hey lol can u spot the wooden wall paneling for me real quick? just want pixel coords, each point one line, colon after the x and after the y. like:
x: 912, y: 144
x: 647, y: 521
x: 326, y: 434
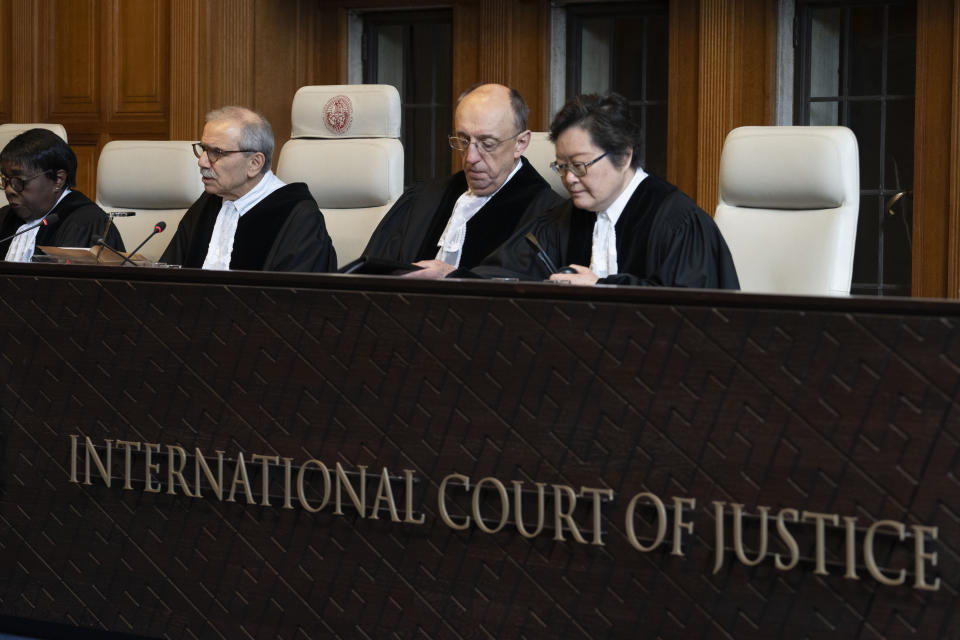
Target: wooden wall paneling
x: 6, y: 62
x: 278, y: 67
x: 330, y: 59
x: 953, y: 251
x: 187, y: 42
x: 467, y: 39
x: 683, y: 93
x: 25, y: 38
x: 936, y: 106
x: 529, y: 58
x: 496, y: 31
x: 230, y: 50
x: 754, y: 67
x: 715, y: 96
x: 136, y: 68
x: 71, y: 67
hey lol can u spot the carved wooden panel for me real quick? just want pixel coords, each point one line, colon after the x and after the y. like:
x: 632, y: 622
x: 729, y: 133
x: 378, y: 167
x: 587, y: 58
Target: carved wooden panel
x: 72, y: 65
x: 135, y: 53
x: 6, y: 62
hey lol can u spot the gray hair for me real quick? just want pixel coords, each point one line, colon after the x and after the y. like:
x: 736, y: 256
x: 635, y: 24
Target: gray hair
x: 256, y: 134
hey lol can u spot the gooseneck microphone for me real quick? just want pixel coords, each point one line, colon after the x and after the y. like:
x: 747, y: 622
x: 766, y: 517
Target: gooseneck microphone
x: 157, y: 228
x: 98, y: 241
x: 540, y: 253
x: 45, y: 221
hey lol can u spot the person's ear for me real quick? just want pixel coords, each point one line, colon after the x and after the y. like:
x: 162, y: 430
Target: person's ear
x: 523, y: 141
x: 255, y: 166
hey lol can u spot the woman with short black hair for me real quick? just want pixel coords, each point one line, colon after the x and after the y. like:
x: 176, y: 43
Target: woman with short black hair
x: 621, y: 225
x: 37, y: 172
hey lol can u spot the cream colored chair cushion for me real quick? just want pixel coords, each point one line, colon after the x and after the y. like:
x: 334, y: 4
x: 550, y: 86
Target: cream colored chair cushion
x: 540, y: 152
x: 345, y: 148
x: 157, y: 179
x: 788, y: 207
x: 10, y: 130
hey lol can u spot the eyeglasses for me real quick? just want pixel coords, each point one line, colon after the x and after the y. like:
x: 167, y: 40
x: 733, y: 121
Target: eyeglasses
x: 215, y: 153
x: 484, y: 145
x: 17, y: 182
x: 578, y: 169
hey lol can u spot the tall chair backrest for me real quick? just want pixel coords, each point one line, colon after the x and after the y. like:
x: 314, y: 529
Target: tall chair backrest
x: 10, y: 130
x: 540, y: 153
x: 156, y: 179
x: 788, y: 206
x: 345, y: 146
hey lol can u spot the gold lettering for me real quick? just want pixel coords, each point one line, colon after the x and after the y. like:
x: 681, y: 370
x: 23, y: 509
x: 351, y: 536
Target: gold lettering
x: 73, y: 459
x: 265, y: 477
x: 442, y: 502
x: 287, y: 497
x: 559, y: 515
x: 595, y: 512
x: 240, y: 477
x: 127, y: 461
x: 718, y: 509
x: 518, y: 508
x: 199, y: 462
x: 920, y: 554
x: 302, y: 495
x: 504, y: 505
x: 788, y: 540
x: 150, y: 468
x: 661, y: 522
x: 738, y: 535
x: 358, y: 501
x: 821, y: 553
x: 679, y: 524
x: 173, y: 471
x: 409, y: 518
x: 384, y: 492
x: 870, y: 560
x: 91, y: 452
x: 850, y: 547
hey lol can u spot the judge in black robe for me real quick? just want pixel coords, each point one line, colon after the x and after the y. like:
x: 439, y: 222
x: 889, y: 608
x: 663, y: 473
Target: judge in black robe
x: 409, y: 232
x: 663, y: 239
x: 80, y: 223
x: 38, y: 170
x: 491, y: 136
x: 628, y: 226
x: 283, y: 232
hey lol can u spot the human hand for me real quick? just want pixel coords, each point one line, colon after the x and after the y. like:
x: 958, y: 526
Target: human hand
x: 431, y: 270
x: 583, y: 276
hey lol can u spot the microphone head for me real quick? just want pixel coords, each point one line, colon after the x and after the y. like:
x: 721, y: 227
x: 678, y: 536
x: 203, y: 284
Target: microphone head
x: 50, y: 219
x: 160, y: 226
x: 97, y: 239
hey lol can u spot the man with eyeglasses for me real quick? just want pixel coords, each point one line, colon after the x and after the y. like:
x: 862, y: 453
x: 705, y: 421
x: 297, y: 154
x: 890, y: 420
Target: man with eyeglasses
x: 455, y: 222
x: 621, y: 225
x: 248, y: 218
x: 38, y: 173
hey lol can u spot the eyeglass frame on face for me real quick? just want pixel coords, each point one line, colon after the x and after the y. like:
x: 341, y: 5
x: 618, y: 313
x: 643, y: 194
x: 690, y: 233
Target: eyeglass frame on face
x: 485, y: 145
x: 214, y: 154
x: 562, y: 168
x: 19, y: 180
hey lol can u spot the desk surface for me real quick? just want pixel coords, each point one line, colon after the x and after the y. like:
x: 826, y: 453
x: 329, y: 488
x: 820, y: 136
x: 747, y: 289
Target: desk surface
x: 439, y: 409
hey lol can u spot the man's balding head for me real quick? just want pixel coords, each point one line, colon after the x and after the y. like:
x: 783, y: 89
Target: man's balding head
x: 492, y: 119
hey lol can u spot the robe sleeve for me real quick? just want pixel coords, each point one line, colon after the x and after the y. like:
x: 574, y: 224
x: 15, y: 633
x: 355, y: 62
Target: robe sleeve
x: 177, y: 251
x: 517, y: 259
x: 83, y: 226
x: 303, y: 243
x: 390, y: 239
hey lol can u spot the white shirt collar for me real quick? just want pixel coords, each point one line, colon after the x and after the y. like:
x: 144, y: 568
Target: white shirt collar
x: 267, y: 185
x: 616, y: 208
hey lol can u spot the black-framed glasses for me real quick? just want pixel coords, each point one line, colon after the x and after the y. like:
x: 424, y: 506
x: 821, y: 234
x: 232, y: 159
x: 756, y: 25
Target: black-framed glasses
x: 18, y: 183
x: 215, y: 153
x: 484, y: 145
x: 578, y: 169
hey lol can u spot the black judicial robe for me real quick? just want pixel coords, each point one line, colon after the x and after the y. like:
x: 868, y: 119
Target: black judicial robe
x: 80, y: 222
x: 411, y: 229
x: 284, y: 232
x: 663, y: 239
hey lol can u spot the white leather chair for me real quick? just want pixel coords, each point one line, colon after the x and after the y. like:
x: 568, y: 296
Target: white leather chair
x: 10, y: 130
x: 789, y: 200
x: 157, y: 179
x: 540, y: 152
x: 345, y: 146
